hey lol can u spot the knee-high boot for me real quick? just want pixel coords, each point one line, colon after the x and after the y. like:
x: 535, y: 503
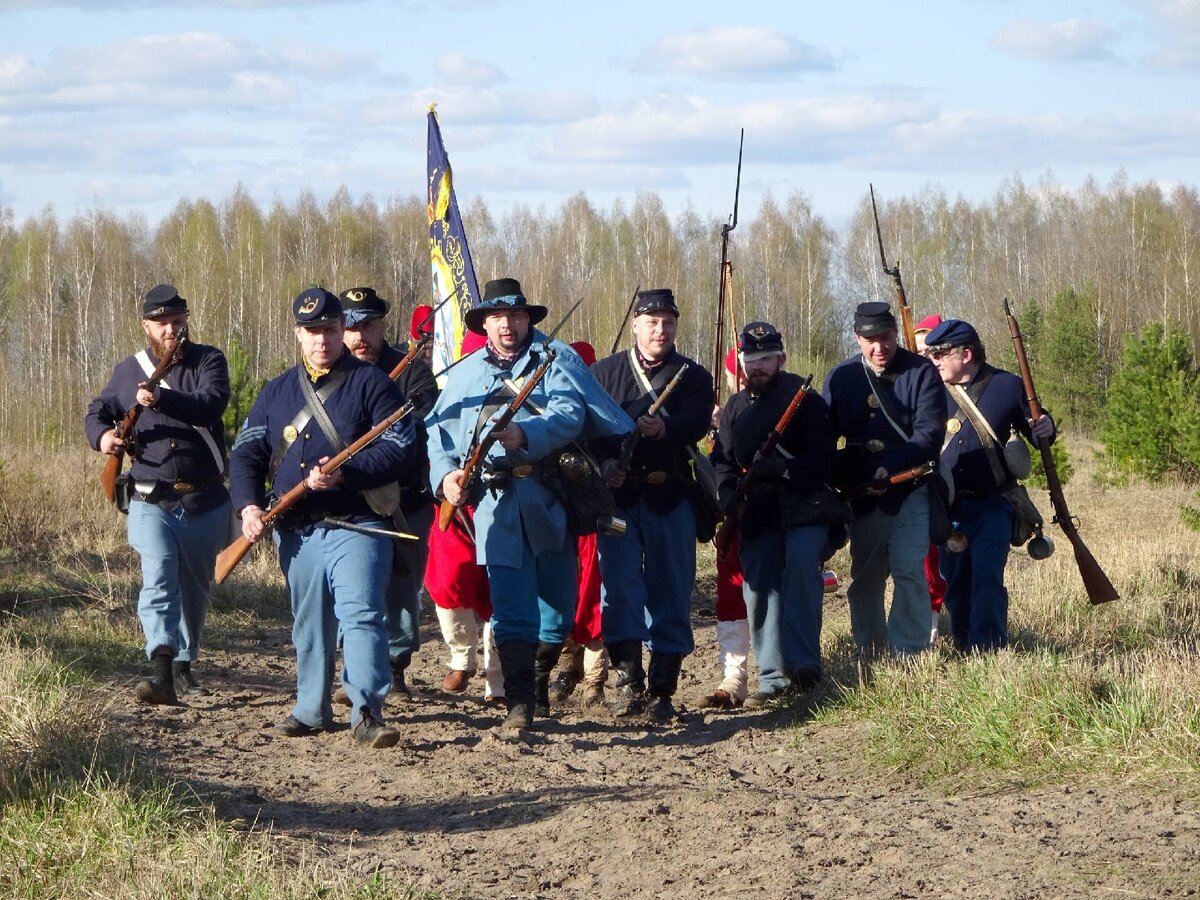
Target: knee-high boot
x: 626, y: 658
x: 664, y: 679
x: 517, y: 662
x: 543, y: 664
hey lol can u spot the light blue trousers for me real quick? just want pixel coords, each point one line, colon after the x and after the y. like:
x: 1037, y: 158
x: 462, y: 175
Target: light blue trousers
x: 784, y: 592
x: 895, y: 545
x: 647, y: 578
x: 178, y: 553
x: 337, y: 577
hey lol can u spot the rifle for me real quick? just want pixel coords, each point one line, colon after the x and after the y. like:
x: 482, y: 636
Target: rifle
x: 631, y: 440
x: 1099, y: 588
x: 470, y: 471
x: 906, y: 321
x: 621, y: 328
x: 726, y: 284
x: 421, y: 343
x: 228, y: 558
x: 723, y: 539
x: 112, y: 466
x: 877, y: 484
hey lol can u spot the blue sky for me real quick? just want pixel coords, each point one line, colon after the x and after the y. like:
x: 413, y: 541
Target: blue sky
x: 132, y: 105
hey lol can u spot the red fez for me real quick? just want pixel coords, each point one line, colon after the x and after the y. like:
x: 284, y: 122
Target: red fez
x: 928, y: 323
x: 585, y: 350
x: 419, y: 315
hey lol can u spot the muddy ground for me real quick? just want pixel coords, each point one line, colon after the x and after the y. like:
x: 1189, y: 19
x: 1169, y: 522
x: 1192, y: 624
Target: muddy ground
x: 746, y: 804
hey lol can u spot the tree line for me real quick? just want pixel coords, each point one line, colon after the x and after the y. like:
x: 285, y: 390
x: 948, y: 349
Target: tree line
x: 1086, y: 270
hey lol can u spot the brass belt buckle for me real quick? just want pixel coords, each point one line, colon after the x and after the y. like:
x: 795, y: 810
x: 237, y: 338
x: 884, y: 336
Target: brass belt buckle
x: 522, y: 471
x: 183, y: 487
x: 656, y: 477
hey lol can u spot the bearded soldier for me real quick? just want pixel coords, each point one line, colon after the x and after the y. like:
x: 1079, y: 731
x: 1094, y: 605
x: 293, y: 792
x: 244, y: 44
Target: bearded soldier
x: 179, y: 507
x: 364, y: 312
x: 782, y: 537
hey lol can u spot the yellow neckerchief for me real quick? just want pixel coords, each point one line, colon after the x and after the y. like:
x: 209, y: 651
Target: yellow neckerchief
x: 313, y: 372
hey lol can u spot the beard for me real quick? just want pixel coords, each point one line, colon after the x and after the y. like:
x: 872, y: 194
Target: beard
x: 163, y: 349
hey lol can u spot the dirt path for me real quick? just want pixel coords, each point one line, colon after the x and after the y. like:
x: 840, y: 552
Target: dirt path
x: 719, y: 805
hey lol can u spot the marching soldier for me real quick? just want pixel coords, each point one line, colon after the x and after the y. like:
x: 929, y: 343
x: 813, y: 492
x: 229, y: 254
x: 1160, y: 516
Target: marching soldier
x: 783, y: 536
x: 364, y: 312
x: 987, y: 412
x: 520, y: 524
x: 887, y: 403
x: 648, y: 573
x: 179, y: 507
x: 333, y: 557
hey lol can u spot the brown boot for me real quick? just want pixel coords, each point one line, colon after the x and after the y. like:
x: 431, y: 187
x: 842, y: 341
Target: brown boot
x: 456, y: 681
x: 159, y: 689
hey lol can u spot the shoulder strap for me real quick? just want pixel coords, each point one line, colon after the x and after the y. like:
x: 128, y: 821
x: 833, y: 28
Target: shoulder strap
x: 143, y: 359
x: 884, y: 399
x: 987, y: 436
x: 303, y: 415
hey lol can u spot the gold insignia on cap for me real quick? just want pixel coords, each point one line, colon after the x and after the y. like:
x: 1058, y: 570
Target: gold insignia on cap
x: 309, y: 305
x: 758, y: 333
x: 953, y: 425
x: 290, y: 433
x: 356, y: 296
x: 873, y: 401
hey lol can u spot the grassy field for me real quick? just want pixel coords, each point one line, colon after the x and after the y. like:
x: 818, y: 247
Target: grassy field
x: 1098, y: 693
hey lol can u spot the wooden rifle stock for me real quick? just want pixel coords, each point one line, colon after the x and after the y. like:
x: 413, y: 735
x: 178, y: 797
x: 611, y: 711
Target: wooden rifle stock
x: 112, y: 465
x: 228, y: 558
x: 892, y: 480
x: 906, y: 319
x: 471, y: 470
x: 1098, y: 586
x: 631, y: 440
x: 723, y: 539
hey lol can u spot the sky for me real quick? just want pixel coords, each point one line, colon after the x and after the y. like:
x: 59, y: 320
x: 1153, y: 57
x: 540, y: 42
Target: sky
x: 131, y: 106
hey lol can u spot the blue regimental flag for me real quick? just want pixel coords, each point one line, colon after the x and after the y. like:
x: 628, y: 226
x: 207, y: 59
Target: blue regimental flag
x: 450, y: 257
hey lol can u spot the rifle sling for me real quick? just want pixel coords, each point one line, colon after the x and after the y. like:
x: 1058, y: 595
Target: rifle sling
x: 300, y: 421
x: 143, y: 359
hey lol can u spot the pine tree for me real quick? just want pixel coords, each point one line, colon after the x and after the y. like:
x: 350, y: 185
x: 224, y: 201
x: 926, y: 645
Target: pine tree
x: 1070, y: 376
x: 1152, y: 424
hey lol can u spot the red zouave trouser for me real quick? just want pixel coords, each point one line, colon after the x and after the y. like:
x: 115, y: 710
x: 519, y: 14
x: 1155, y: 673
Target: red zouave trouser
x: 453, y: 578
x: 587, y: 611
x: 731, y: 605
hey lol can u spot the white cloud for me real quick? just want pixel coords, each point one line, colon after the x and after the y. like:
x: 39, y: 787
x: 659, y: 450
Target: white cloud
x: 475, y: 108
x: 733, y: 53
x: 1178, y: 23
x: 1071, y: 40
x: 458, y: 70
x: 189, y: 70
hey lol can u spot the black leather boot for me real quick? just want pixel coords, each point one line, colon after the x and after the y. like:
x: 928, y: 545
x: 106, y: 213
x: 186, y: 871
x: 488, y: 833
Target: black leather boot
x: 159, y: 689
x: 626, y: 659
x: 516, y: 663
x: 544, y: 663
x: 664, y: 679
x: 398, y: 665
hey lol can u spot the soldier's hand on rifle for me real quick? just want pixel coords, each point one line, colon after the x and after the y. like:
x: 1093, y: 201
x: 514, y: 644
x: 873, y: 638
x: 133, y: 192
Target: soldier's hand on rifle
x: 772, y: 466
x: 252, y: 522
x: 612, y: 474
x: 1043, y: 428
x: 652, y: 426
x: 452, y: 489
x: 881, y: 475
x: 110, y: 443
x: 319, y: 481
x: 511, y: 438
x: 146, y: 397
